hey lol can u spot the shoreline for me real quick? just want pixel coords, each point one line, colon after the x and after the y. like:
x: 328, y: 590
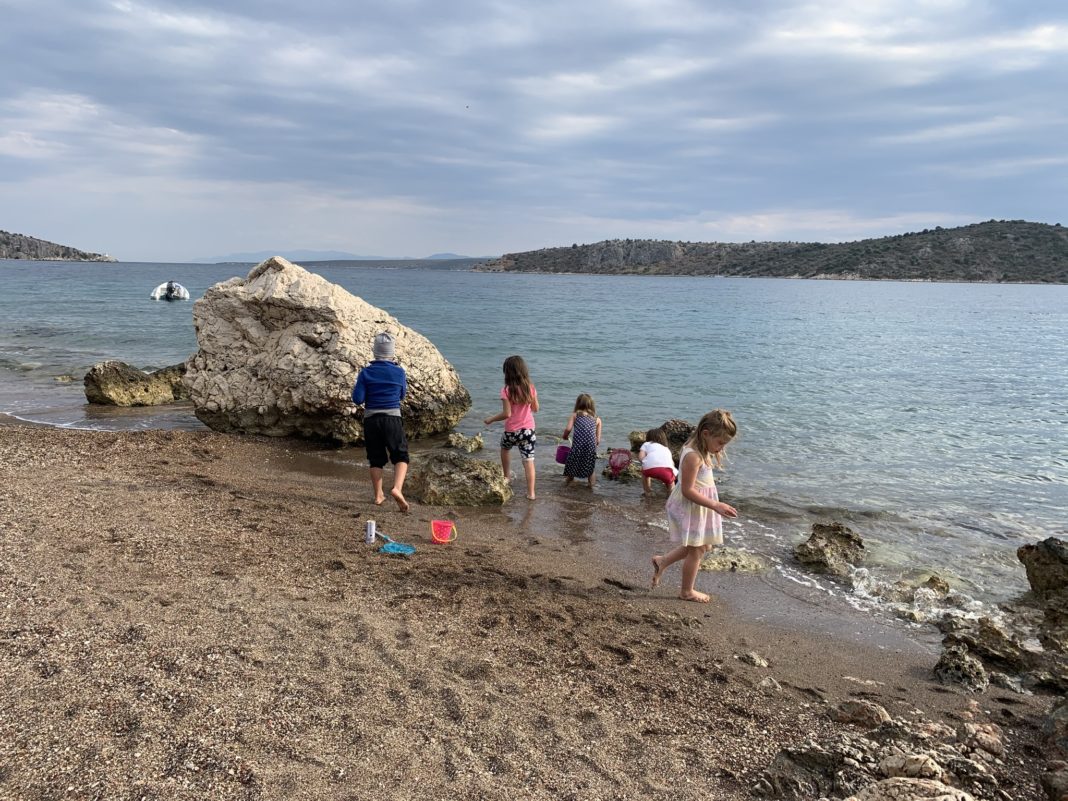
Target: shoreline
x: 192, y: 614
x: 820, y: 277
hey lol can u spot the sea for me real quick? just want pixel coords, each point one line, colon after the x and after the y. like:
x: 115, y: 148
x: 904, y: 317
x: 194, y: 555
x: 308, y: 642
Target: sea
x: 931, y: 418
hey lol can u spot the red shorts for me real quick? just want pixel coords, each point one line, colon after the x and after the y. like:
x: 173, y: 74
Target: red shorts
x: 665, y: 474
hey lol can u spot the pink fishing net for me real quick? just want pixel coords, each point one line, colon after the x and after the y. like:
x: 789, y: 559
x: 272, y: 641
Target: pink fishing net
x: 618, y: 461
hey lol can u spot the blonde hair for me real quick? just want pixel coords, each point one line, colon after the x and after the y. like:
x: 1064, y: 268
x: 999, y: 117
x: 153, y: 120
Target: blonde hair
x: 517, y: 380
x: 718, y: 423
x: 584, y: 403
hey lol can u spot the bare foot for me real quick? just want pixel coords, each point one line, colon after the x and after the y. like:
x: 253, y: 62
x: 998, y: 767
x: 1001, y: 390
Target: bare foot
x: 398, y: 496
x: 381, y: 499
x: 657, y: 570
x: 531, y: 498
x: 694, y: 595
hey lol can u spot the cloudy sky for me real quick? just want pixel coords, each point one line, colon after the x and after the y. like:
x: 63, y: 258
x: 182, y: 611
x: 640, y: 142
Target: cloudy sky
x: 157, y: 130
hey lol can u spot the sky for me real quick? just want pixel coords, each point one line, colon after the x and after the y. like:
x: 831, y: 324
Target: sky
x: 167, y: 131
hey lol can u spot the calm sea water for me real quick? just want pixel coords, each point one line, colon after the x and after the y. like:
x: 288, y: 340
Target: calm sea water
x: 932, y: 418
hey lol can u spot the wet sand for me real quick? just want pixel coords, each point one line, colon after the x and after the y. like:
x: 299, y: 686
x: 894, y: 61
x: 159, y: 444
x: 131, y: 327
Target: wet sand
x: 193, y: 615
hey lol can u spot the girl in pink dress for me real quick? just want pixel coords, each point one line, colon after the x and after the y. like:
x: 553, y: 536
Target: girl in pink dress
x: 695, y: 512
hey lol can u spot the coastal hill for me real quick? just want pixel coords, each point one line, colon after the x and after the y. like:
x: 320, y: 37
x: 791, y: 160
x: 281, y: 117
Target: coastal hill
x: 18, y: 246
x: 995, y: 251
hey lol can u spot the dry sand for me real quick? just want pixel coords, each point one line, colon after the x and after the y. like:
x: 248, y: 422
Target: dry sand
x: 186, y: 616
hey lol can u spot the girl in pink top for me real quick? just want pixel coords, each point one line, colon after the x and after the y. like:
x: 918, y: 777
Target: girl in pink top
x: 519, y: 401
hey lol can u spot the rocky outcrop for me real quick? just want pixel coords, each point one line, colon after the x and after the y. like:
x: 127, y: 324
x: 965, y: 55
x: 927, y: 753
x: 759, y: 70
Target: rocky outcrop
x: 1055, y: 782
x: 1046, y: 563
x: 831, y: 549
x: 446, y: 478
x: 958, y: 667
x: 676, y: 431
x: 893, y: 759
x: 118, y: 384
x: 280, y: 350
x: 20, y: 246
x: 905, y: 789
x: 862, y: 713
x: 989, y: 641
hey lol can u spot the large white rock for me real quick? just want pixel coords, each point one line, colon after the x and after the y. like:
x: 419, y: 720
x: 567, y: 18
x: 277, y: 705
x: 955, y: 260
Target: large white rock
x: 280, y: 350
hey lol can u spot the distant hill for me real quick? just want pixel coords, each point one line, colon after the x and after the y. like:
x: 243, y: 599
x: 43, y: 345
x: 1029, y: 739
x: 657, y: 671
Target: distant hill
x: 297, y: 255
x: 995, y: 251
x: 300, y: 255
x: 18, y: 246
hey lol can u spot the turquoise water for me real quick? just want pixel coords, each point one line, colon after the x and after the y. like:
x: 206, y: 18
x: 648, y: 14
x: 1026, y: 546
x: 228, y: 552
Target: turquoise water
x: 932, y: 418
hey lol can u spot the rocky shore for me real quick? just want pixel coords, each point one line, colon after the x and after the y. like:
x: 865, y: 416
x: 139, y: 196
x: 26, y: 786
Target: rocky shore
x: 195, y: 615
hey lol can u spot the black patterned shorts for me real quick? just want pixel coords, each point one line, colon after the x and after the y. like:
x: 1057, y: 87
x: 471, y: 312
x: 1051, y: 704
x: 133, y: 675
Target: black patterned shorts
x: 524, y: 439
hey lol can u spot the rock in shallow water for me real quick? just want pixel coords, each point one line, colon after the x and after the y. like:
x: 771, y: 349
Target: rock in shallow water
x: 118, y: 384
x: 446, y: 478
x: 831, y: 549
x: 280, y: 350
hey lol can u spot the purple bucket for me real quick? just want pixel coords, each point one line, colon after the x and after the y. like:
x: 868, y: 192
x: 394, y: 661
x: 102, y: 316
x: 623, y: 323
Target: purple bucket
x: 561, y: 453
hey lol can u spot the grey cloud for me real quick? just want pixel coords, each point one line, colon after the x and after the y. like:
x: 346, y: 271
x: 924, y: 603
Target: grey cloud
x: 621, y: 111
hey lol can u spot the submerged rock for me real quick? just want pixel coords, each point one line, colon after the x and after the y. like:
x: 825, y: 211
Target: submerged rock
x: 445, y: 478
x: 465, y: 444
x: 831, y: 549
x: 734, y: 560
x: 280, y: 350
x: 118, y: 384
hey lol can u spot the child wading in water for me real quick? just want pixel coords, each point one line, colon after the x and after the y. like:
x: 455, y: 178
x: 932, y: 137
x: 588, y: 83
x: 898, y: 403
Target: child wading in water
x: 695, y: 513
x: 519, y: 401
x: 381, y: 386
x: 584, y: 428
x: 657, y: 461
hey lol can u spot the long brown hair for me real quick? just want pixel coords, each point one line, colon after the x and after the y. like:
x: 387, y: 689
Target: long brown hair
x: 718, y: 423
x: 517, y: 380
x: 584, y: 405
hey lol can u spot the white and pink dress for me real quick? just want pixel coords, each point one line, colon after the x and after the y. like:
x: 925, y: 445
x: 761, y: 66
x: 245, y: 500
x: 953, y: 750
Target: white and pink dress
x: 688, y: 522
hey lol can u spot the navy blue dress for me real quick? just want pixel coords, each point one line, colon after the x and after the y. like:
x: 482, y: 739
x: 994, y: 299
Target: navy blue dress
x: 583, y: 457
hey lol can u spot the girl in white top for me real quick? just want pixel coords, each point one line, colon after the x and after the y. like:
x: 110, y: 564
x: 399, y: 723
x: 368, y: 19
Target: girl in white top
x: 695, y: 513
x: 657, y: 461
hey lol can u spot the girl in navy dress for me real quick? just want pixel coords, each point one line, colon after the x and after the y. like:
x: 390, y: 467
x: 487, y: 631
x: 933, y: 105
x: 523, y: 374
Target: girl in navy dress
x: 584, y: 428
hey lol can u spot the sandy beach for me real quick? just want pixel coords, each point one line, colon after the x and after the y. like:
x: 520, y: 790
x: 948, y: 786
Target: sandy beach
x: 193, y: 615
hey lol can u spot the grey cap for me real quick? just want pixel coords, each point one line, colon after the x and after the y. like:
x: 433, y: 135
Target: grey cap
x: 384, y: 349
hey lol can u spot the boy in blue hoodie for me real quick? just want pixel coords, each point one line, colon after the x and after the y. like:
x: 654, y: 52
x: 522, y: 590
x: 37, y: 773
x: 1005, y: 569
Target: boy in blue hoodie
x: 380, y: 387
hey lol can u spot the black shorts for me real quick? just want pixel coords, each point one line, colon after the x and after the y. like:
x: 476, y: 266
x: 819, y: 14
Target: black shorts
x: 384, y: 434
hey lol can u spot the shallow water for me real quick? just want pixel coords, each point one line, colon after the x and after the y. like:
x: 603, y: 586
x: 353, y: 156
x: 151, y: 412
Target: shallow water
x: 931, y: 418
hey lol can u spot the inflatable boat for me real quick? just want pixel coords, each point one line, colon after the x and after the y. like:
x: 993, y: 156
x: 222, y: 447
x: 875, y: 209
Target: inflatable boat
x: 170, y: 291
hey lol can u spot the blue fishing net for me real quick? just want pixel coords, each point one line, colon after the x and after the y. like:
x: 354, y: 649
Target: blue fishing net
x: 397, y: 548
